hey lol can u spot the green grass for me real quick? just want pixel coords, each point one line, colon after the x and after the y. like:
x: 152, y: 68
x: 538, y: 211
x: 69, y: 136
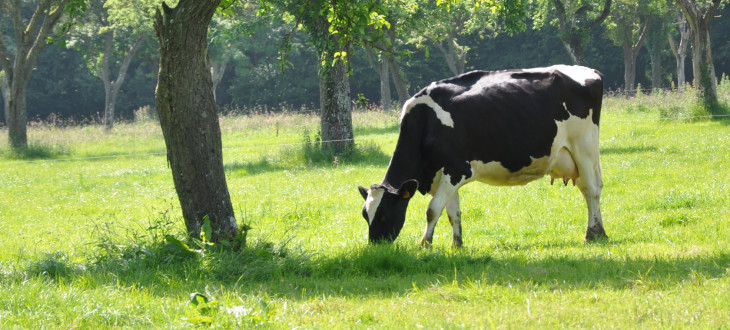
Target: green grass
x: 82, y: 234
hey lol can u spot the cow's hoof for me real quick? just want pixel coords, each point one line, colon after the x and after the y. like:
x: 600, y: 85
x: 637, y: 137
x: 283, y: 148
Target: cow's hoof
x: 426, y: 244
x: 594, y: 234
x: 457, y: 243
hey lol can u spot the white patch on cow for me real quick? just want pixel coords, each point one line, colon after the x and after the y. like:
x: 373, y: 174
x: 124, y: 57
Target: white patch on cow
x: 441, y: 114
x: 375, y: 196
x: 578, y: 73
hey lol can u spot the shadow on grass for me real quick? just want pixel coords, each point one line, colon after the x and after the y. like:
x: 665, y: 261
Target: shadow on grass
x: 36, y: 151
x: 627, y: 150
x: 382, y: 269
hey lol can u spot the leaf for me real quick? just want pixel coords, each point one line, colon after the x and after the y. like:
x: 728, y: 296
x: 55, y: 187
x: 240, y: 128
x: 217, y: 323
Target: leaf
x: 178, y: 244
x: 206, y: 232
x: 197, y: 297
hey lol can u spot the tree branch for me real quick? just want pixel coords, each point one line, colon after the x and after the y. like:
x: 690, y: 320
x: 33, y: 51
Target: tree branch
x: 604, y: 14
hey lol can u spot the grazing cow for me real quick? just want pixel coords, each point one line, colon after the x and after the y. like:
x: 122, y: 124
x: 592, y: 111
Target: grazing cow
x: 501, y: 128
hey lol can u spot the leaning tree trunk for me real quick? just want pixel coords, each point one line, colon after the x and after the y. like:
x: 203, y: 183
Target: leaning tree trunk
x: 629, y: 70
x: 400, y: 85
x: 336, y: 107
x: 5, y: 87
x: 189, y: 119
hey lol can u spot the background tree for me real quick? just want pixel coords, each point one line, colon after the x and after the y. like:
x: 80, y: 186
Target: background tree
x: 699, y: 18
x: 189, y: 117
x: 656, y: 40
x: 679, y: 48
x: 30, y: 37
x: 628, y: 26
x: 112, y: 33
x: 575, y: 20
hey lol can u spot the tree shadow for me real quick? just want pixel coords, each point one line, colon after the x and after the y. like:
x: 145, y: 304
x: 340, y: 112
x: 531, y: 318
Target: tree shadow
x: 381, y: 270
x: 262, y: 165
x: 374, y: 130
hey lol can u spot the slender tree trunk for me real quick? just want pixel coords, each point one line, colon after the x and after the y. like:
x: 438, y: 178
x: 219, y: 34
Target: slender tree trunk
x: 380, y: 65
x: 454, y: 54
x: 113, y: 87
x: 400, y: 85
x: 5, y: 94
x: 631, y: 52
x: 629, y: 70
x: 680, y: 49
x: 336, y: 107
x: 218, y: 70
x: 189, y: 119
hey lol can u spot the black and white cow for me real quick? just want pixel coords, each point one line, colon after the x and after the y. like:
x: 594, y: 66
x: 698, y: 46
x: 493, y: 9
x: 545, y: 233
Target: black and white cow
x: 501, y: 128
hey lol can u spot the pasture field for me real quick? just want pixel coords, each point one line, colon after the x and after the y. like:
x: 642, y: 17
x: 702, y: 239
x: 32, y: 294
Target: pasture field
x: 84, y: 214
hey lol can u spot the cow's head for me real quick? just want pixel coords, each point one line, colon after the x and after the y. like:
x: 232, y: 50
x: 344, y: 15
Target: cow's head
x: 385, y: 209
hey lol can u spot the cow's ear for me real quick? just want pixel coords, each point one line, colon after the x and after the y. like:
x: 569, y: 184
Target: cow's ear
x: 363, y: 192
x: 408, y: 189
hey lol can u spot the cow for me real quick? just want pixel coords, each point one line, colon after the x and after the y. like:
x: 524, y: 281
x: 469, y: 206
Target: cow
x: 501, y: 128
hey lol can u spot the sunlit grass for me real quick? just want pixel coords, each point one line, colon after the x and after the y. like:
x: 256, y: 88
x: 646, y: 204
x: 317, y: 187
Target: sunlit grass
x: 83, y: 234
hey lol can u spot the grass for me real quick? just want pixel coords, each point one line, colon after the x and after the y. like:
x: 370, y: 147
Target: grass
x: 83, y: 228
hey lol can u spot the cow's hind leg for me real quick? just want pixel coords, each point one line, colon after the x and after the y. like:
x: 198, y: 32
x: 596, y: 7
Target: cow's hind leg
x: 590, y: 184
x: 454, y: 213
x: 440, y: 198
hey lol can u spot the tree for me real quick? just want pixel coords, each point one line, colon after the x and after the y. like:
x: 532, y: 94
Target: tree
x: 113, y: 30
x: 656, y: 41
x: 17, y: 61
x: 628, y: 27
x: 575, y: 21
x: 679, y: 48
x: 189, y: 118
x: 334, y: 27
x: 699, y: 17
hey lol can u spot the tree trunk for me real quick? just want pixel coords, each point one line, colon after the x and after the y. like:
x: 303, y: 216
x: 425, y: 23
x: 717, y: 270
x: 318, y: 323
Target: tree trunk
x: 17, y: 112
x: 218, y: 70
x: 680, y: 49
x: 703, y: 69
x: 629, y: 70
x: 5, y: 88
x: 189, y: 119
x: 380, y: 65
x: 113, y: 87
x: 336, y: 106
x: 631, y: 52
x: 400, y: 85
x: 454, y: 54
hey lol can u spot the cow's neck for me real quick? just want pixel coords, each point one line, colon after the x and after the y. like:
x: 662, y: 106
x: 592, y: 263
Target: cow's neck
x: 407, y: 161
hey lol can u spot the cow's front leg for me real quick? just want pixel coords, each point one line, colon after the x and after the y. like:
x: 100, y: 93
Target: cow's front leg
x: 443, y: 194
x: 454, y: 213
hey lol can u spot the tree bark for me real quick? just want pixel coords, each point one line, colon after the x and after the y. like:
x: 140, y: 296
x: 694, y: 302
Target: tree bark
x: 680, y: 49
x: 336, y: 107
x: 30, y: 39
x: 218, y: 70
x: 5, y: 88
x: 189, y: 119
x: 702, y: 66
